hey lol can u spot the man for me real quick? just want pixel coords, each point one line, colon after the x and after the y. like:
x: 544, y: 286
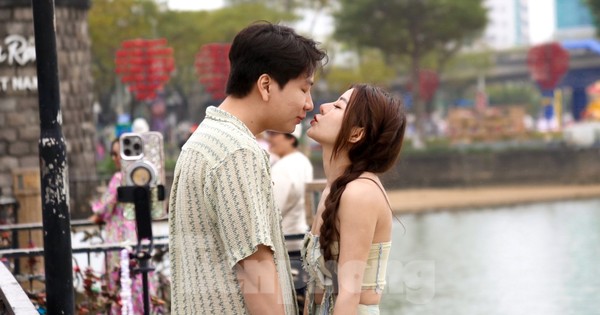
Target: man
x: 290, y: 174
x: 226, y: 246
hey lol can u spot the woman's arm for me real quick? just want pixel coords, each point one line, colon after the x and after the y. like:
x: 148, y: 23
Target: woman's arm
x: 103, y: 206
x: 357, y: 221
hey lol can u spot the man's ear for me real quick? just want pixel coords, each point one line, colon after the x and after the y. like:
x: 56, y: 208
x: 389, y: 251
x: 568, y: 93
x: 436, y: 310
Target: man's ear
x: 357, y: 134
x: 264, y: 86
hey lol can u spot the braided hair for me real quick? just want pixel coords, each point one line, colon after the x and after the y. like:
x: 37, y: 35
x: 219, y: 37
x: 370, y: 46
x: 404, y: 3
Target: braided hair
x: 383, y: 121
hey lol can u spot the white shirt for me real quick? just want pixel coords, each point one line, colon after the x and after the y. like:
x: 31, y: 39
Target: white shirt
x: 290, y: 175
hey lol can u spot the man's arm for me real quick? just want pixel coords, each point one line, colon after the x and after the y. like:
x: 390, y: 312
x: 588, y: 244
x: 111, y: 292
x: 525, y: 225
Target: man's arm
x: 259, y: 282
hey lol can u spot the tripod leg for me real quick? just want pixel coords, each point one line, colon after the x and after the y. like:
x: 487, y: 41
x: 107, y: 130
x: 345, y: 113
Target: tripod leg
x: 144, y: 268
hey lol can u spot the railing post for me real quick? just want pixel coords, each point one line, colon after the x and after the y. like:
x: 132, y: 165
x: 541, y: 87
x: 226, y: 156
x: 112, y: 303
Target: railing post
x: 53, y: 166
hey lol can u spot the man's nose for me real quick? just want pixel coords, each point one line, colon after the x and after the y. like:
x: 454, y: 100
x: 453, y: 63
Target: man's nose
x: 309, y: 104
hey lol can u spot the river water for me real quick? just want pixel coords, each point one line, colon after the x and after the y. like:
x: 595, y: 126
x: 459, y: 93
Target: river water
x: 530, y: 259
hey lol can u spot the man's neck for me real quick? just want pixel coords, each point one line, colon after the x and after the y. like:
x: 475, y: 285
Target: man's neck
x: 247, y: 110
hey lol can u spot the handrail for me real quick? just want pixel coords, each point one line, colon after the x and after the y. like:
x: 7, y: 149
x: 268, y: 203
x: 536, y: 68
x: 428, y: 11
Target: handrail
x: 161, y: 242
x: 38, y: 225
x: 15, y: 300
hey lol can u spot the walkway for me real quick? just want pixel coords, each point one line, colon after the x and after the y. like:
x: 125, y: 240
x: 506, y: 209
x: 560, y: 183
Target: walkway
x: 433, y: 199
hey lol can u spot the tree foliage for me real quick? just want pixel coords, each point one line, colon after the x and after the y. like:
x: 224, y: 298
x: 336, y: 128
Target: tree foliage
x: 370, y: 67
x: 594, y: 6
x: 113, y: 21
x: 110, y: 23
x: 411, y: 29
x: 187, y: 31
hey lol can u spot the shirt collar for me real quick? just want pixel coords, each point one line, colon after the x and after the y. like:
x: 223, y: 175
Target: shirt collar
x: 218, y: 114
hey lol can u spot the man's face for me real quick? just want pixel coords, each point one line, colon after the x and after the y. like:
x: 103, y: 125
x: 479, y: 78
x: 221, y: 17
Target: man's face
x: 289, y: 105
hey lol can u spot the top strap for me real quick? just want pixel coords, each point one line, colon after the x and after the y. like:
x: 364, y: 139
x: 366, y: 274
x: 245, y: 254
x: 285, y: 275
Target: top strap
x: 380, y: 188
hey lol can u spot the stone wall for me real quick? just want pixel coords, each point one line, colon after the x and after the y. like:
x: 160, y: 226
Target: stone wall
x: 19, y: 109
x: 516, y: 167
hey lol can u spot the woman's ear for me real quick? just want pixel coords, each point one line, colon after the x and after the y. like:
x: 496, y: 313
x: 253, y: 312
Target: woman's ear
x: 357, y: 134
x: 264, y: 86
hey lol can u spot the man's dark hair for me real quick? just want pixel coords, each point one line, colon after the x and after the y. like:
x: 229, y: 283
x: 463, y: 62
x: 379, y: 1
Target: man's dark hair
x: 276, y: 50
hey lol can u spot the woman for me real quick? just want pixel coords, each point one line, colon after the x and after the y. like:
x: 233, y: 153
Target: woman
x: 107, y: 209
x: 347, y: 249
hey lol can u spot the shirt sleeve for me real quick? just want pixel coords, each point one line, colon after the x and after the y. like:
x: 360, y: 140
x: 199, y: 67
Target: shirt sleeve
x: 242, y: 194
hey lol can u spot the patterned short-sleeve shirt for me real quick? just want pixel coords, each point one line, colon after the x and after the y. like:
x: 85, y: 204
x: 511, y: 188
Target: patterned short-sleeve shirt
x: 221, y: 208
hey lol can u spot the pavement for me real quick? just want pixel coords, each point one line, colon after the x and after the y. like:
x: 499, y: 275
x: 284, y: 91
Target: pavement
x: 434, y: 199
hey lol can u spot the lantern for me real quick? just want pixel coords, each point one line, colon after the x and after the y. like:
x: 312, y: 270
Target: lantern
x: 145, y: 65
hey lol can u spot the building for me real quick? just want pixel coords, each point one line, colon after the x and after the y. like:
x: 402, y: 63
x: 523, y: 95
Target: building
x: 573, y: 20
x: 508, y: 24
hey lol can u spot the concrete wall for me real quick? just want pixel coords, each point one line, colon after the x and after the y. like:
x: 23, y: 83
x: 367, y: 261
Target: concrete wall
x: 454, y: 169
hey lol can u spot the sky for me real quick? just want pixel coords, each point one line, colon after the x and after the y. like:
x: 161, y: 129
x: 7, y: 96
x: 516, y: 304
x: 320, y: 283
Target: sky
x: 195, y: 5
x: 541, y: 20
x: 541, y: 17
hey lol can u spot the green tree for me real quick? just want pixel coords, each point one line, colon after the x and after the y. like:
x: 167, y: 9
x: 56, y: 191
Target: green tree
x: 594, y: 6
x: 411, y: 29
x: 188, y: 31
x: 110, y: 23
x: 370, y: 67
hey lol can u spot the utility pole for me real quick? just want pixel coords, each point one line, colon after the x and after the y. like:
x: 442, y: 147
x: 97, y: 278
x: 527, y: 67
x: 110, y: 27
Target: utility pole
x: 53, y: 166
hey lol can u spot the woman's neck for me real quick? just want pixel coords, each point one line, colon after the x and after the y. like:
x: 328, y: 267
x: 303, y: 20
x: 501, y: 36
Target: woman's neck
x: 334, y: 168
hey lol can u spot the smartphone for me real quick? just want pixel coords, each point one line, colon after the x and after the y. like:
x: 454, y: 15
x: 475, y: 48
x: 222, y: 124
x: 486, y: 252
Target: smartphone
x: 142, y: 164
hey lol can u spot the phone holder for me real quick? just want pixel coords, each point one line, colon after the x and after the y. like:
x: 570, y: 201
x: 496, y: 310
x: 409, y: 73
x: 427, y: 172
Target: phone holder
x: 141, y: 197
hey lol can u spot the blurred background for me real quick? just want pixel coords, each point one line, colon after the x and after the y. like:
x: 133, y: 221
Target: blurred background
x: 500, y: 93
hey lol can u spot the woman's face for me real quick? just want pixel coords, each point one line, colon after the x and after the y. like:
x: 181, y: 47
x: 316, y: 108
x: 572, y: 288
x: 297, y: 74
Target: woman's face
x: 325, y: 127
x: 114, y: 154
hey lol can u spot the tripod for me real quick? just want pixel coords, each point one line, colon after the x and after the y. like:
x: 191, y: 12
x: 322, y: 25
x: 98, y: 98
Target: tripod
x: 141, y: 197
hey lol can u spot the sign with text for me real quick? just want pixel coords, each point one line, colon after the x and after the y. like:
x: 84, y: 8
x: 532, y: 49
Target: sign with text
x: 17, y: 51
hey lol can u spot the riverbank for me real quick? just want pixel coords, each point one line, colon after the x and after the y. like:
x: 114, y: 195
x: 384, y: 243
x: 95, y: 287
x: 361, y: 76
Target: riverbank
x: 434, y: 199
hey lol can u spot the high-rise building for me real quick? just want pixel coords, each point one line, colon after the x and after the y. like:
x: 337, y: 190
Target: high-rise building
x: 508, y: 24
x: 573, y: 20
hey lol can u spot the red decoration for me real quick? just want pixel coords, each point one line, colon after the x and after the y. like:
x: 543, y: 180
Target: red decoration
x: 212, y: 65
x: 145, y: 65
x: 428, y: 84
x: 547, y: 64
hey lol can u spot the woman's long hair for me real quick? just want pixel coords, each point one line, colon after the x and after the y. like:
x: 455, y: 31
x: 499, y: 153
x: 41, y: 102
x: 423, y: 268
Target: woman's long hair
x: 383, y: 119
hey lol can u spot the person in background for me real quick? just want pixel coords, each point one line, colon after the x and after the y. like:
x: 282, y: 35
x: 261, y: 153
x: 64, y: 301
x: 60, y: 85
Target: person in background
x: 290, y: 174
x: 226, y: 247
x: 347, y: 249
x: 109, y: 211
x: 140, y: 125
x: 263, y: 142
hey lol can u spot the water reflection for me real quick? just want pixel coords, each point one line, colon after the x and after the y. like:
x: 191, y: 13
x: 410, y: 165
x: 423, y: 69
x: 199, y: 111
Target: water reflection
x: 533, y: 259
